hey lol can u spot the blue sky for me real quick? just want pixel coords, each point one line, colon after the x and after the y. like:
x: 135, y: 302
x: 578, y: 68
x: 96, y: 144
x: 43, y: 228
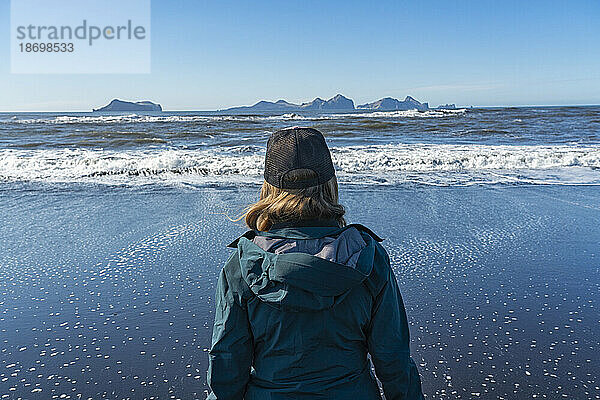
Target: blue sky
x: 209, y: 55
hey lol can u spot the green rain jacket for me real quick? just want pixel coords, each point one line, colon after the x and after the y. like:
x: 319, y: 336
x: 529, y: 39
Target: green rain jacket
x: 294, y: 325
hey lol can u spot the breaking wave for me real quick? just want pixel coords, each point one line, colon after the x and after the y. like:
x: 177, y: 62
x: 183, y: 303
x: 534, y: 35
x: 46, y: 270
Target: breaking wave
x: 404, y: 114
x: 425, y: 163
x: 137, y: 118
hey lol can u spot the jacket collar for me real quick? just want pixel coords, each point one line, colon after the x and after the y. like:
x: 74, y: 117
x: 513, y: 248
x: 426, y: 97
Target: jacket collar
x: 305, y: 223
x: 313, y: 229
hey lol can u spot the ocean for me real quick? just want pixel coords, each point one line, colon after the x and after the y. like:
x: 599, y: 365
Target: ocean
x: 553, y: 145
x: 113, y: 230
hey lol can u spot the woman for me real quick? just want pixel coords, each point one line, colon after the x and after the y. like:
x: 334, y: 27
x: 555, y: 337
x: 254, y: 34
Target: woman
x: 306, y: 298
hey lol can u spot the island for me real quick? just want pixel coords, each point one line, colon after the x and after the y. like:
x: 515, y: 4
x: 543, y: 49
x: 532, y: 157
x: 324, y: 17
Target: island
x: 120, y: 105
x: 338, y: 103
x: 391, y: 104
x: 446, y: 107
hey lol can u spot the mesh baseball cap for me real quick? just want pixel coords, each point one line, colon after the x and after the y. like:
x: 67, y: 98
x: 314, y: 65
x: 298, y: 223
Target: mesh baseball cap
x: 297, y: 149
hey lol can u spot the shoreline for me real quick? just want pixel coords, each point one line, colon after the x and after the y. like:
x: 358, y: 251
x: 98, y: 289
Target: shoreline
x: 486, y: 274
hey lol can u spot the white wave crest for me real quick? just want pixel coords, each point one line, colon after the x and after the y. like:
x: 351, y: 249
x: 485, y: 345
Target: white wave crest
x: 436, y: 157
x: 390, y: 163
x: 404, y: 114
x: 135, y: 118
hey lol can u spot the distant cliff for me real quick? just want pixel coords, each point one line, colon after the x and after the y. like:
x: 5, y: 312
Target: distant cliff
x: 391, y: 104
x: 120, y: 105
x: 336, y: 103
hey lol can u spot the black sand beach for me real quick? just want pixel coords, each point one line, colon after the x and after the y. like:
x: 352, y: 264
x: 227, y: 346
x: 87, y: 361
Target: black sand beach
x: 107, y: 292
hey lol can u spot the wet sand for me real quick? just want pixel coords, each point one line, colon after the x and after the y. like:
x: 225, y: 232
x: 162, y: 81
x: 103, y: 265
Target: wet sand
x: 108, y: 292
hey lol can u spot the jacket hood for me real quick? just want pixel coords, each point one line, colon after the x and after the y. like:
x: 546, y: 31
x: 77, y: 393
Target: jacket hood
x: 305, y: 268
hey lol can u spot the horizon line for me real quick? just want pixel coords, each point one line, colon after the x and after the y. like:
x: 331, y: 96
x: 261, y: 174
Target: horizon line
x: 223, y: 110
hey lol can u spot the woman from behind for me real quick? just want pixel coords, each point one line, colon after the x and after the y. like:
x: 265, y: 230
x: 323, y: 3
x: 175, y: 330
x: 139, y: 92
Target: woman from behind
x: 305, y: 298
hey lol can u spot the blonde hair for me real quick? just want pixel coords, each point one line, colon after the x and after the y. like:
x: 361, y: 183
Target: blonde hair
x: 293, y: 205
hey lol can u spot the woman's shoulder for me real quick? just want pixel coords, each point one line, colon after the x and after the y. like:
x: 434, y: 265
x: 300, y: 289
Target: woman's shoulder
x: 365, y: 230
x: 381, y: 272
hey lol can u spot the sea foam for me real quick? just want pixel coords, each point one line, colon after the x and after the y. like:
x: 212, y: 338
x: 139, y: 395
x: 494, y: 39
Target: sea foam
x: 140, y: 118
x: 379, y: 163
